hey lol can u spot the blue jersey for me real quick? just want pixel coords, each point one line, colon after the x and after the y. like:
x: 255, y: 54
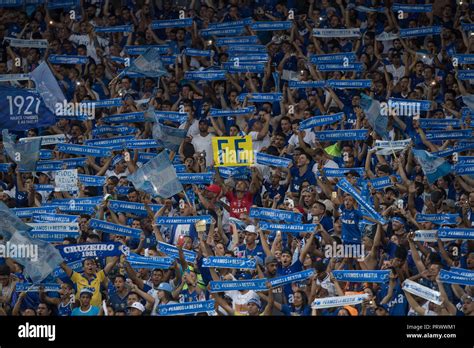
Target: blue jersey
x: 296, y: 266
x: 65, y: 310
x: 257, y: 251
x: 290, y: 310
x: 297, y: 179
x: 350, y: 225
x: 398, y: 303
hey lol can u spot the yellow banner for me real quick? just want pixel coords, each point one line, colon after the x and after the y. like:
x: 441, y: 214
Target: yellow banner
x: 233, y: 151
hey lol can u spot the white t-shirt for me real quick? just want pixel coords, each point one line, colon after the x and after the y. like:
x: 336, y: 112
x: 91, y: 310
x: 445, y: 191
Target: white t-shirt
x: 329, y: 164
x: 240, y: 300
x: 109, y: 173
x: 90, y: 45
x: 259, y: 144
x: 309, y: 138
x: 397, y: 73
x: 193, y: 129
x: 201, y: 143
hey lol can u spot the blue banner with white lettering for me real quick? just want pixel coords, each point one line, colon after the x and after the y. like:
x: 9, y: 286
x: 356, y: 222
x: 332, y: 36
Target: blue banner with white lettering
x: 134, y: 208
x: 252, y: 284
x: 84, y: 150
x: 456, y: 233
x: 55, y: 218
x: 454, y: 278
x: 206, y: 75
x: 270, y: 160
x: 362, y: 276
x: 229, y: 262
x: 109, y: 227
x: 306, y: 84
x: 229, y: 113
x: 75, y: 252
x: 422, y: 31
x: 291, y: 278
x: 171, y: 250
x: 261, y: 97
x: 293, y: 228
x: 349, y: 84
x: 171, y: 23
x: 182, y: 220
x: 186, y: 308
x: 275, y: 215
x: 438, y: 219
x: 317, y: 121
x: 342, y: 135
x: 222, y: 41
x: 131, y: 117
x: 195, y: 178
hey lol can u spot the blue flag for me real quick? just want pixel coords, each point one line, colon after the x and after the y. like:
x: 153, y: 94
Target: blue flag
x: 157, y: 177
x: 22, y: 109
x: 377, y: 121
x: 25, y: 154
x: 148, y: 64
x: 43, y: 258
x: 434, y: 167
x: 47, y: 86
x: 170, y: 137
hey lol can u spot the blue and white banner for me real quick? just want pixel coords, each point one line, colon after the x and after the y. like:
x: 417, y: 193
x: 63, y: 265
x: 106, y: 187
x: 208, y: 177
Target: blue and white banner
x: 462, y: 272
x: 317, y: 121
x: 342, y: 135
x: 23, y: 109
x: 47, y: 139
x: 291, y: 278
x: 46, y: 154
x: 53, y: 237
x: 222, y: 31
x: 232, y: 113
x: 464, y: 169
x: 338, y: 301
x: 247, y: 58
x: 456, y: 233
x: 144, y: 157
x: 60, y: 273
x: 14, y: 77
x: 439, y: 123
x: 49, y: 166
x: 271, y: 25
x: 182, y: 220
x: 366, y: 9
x: 349, y: 84
x: 362, y: 276
x: 26, y: 213
x: 180, y: 168
x: 246, y: 49
x: 105, y: 103
x: 229, y: 262
x: 240, y: 40
x: 73, y: 163
x: 346, y: 186
x: 234, y: 172
x: 206, y: 75
x: 423, y: 31
x: 172, y: 251
x: 383, y: 182
x: 412, y: 8
x: 108, y: 227
x: 275, y: 215
x: 41, y: 44
x: 438, y: 219
x: 230, y: 24
x: 434, y: 167
x: 251, y: 284
x: 290, y: 228
x: 172, y: 116
x: 84, y: 208
x: 142, y: 144
x: 333, y: 58
x: 306, y: 84
x: 137, y: 50
x: 119, y: 60
x: 131, y: 117
x: 261, y: 97
x: 91, y: 180
x: 270, y: 160
x: 134, y: 208
x: 113, y: 130
x: 63, y: 4
x: 341, y: 67
x: 332, y: 33
x: 186, y: 308
x: 192, y: 52
x: 63, y: 218
x: 449, y: 134
x: 386, y: 148
x: 467, y: 26
x: 156, y: 261
x: 401, y: 104
x: 65, y: 59
x: 422, y: 291
x: 243, y: 67
x: 122, y: 190
x: 457, y: 148
x: 44, y: 188
x: 464, y: 58
x: 54, y: 226
x: 341, y: 172
x: 429, y: 236
x: 84, y: 150
x: 80, y: 200
x: 195, y: 178
x: 83, y: 251
x: 454, y: 278
x: 171, y: 23
x: 30, y: 287
x: 465, y: 160
x: 115, y: 29
x: 11, y: 3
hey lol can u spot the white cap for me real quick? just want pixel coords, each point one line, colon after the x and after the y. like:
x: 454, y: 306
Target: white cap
x: 138, y: 306
x: 250, y: 229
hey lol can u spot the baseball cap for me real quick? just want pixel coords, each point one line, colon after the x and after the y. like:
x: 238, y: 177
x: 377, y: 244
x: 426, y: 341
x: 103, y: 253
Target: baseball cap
x: 165, y: 287
x: 86, y: 291
x: 255, y: 300
x: 270, y: 259
x: 137, y: 305
x: 43, y: 173
x: 214, y: 189
x: 251, y: 229
x: 450, y: 203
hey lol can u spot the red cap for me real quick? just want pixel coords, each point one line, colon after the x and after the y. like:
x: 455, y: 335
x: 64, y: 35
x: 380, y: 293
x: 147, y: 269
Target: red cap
x: 214, y: 188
